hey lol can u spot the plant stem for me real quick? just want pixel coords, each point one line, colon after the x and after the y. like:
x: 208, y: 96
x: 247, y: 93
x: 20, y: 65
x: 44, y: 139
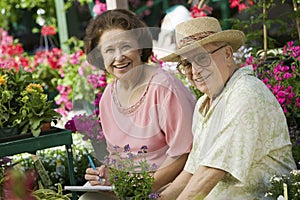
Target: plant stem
x: 265, y: 30
x: 201, y: 2
x: 297, y: 17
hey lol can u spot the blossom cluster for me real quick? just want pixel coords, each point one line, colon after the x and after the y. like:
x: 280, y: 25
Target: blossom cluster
x: 281, y: 77
x: 204, y: 10
x: 56, y: 71
x: 99, y: 7
x: 200, y: 10
x: 87, y: 125
x: 48, y: 30
x: 241, y: 4
x: 11, y: 53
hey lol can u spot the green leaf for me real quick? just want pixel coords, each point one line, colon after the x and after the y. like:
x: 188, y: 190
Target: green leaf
x: 36, y: 132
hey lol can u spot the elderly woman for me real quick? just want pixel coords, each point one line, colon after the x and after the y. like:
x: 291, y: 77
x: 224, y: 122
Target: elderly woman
x: 240, y: 132
x: 143, y: 105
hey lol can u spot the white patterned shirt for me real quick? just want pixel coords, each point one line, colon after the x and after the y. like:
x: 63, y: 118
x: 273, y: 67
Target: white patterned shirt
x: 245, y: 134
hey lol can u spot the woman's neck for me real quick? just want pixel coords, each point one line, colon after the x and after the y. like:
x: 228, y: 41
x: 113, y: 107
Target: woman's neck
x: 132, y: 79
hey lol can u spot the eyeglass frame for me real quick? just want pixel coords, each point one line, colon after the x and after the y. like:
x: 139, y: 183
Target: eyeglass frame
x: 189, y: 65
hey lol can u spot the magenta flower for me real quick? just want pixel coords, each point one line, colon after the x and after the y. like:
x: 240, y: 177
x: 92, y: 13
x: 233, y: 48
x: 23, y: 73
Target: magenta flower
x: 70, y: 125
x: 87, y: 125
x: 99, y: 7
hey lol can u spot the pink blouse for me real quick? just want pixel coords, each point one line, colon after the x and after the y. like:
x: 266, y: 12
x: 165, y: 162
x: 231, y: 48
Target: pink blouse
x: 161, y: 119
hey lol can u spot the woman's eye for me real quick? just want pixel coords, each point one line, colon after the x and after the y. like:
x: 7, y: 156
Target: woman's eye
x: 109, y: 50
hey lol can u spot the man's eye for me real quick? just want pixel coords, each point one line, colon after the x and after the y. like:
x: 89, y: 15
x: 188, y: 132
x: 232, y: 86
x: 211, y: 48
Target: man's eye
x: 126, y: 47
x: 202, y: 56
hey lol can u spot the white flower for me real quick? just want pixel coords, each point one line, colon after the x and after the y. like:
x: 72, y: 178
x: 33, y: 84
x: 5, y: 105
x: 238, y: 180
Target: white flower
x: 280, y: 198
x: 295, y: 172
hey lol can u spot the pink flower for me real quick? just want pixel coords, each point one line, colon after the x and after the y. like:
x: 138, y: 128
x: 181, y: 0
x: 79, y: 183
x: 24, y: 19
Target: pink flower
x: 287, y: 75
x: 281, y: 100
x: 241, y: 4
x: 281, y: 94
x: 298, y: 101
x: 99, y: 7
x: 149, y: 3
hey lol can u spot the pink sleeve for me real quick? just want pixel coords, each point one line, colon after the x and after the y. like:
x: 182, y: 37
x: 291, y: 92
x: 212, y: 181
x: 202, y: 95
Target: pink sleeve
x: 178, y: 106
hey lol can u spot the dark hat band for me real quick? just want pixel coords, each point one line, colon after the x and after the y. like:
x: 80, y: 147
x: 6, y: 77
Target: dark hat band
x: 192, y: 38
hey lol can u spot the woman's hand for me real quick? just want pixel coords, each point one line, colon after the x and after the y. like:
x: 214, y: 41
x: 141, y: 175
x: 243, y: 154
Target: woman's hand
x: 97, y: 177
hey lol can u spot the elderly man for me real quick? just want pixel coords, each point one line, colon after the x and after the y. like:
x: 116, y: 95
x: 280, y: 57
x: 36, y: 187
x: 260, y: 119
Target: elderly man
x: 240, y: 133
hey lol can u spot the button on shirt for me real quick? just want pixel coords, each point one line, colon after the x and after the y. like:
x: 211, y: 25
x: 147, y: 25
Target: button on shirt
x: 245, y: 134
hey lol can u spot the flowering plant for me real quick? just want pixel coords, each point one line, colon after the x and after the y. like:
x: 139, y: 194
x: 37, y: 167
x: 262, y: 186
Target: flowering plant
x: 87, y: 125
x: 281, y: 74
x: 23, y: 103
x: 90, y: 81
x: 131, y: 174
x: 46, y: 66
x: 285, y: 185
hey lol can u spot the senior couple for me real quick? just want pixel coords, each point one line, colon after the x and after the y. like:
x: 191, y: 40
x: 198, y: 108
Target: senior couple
x: 226, y: 145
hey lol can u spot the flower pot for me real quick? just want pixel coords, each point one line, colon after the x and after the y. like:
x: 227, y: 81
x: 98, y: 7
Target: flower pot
x: 46, y: 126
x: 100, y: 149
x: 9, y: 131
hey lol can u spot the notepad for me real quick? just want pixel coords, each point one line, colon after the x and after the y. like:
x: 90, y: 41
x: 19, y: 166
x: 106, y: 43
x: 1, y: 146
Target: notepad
x: 89, y: 188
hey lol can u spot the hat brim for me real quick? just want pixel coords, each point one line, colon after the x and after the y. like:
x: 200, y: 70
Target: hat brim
x: 234, y: 38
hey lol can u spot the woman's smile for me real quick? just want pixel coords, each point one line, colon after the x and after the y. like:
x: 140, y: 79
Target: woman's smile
x: 121, y: 66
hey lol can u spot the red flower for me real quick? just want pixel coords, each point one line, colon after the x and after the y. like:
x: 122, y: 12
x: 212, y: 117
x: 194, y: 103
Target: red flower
x: 48, y: 30
x: 200, y: 12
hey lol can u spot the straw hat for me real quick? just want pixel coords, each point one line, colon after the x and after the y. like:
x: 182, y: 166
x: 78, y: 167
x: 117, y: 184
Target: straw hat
x: 200, y: 31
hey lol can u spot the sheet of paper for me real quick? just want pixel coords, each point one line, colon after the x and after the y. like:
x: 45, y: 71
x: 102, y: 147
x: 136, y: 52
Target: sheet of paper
x: 88, y: 188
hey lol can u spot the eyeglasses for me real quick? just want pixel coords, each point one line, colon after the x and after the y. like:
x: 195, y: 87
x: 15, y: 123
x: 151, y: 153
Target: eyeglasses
x: 201, y: 60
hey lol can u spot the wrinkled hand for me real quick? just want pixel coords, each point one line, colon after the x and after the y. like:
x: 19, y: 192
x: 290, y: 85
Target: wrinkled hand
x: 93, y: 176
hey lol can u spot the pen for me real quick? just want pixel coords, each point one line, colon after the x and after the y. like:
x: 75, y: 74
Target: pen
x: 93, y: 166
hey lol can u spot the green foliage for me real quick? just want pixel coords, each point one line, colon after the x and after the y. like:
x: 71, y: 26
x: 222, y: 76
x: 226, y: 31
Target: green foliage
x: 51, y: 194
x: 49, y: 158
x: 132, y: 175
x: 23, y: 103
x: 292, y: 182
x: 253, y: 19
x: 12, y: 10
x: 11, y: 85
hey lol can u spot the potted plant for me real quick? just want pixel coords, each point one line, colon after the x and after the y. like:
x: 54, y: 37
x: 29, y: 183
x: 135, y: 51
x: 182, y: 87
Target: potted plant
x: 131, y: 174
x: 24, y: 107
x: 89, y: 126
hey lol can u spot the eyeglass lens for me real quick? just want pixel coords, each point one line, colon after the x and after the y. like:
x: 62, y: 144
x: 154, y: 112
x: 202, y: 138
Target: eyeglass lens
x: 201, y: 59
